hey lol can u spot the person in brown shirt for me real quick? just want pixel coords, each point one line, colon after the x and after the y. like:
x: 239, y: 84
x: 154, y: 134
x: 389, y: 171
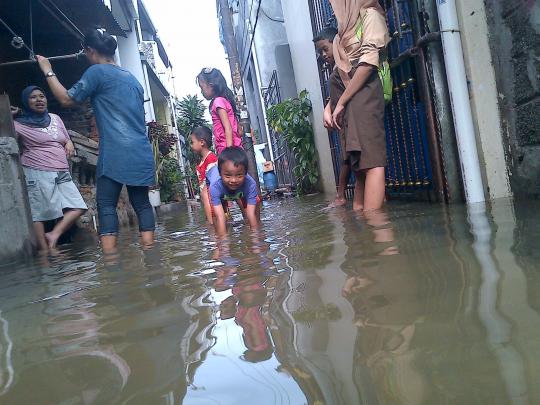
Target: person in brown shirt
x: 357, y: 98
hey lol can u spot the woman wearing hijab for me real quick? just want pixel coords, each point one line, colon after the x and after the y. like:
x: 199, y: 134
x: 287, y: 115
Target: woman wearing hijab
x: 125, y: 153
x: 45, y: 148
x: 357, y: 97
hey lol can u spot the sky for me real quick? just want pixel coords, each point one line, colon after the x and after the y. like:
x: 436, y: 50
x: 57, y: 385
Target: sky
x: 189, y: 30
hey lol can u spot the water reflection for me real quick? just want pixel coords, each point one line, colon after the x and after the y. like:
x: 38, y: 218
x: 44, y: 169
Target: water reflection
x: 416, y: 304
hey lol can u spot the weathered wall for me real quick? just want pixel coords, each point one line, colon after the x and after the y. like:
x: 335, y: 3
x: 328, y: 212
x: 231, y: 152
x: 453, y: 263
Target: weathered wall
x: 515, y: 44
x: 16, y: 232
x: 260, y: 59
x: 483, y: 97
x: 269, y: 34
x: 300, y: 37
x: 285, y: 71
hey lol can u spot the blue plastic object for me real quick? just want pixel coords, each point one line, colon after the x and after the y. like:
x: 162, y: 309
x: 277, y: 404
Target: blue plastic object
x: 270, y: 181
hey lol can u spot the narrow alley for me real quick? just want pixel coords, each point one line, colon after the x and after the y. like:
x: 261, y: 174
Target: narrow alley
x: 320, y: 202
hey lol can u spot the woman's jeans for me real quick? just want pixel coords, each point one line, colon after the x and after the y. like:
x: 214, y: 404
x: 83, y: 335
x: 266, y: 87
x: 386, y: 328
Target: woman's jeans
x: 107, y: 195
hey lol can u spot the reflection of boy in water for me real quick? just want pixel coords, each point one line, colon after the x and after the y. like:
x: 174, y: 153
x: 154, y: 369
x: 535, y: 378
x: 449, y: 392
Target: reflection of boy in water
x: 250, y: 300
x: 225, y: 279
x: 250, y: 295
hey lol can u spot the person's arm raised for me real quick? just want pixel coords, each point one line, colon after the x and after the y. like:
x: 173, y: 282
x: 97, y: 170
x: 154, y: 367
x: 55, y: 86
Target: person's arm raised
x: 58, y: 90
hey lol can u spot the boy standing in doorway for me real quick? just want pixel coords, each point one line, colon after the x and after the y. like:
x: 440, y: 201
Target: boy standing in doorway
x: 324, y: 45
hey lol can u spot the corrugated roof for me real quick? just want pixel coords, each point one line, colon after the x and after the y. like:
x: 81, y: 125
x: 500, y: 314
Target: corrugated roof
x: 88, y: 14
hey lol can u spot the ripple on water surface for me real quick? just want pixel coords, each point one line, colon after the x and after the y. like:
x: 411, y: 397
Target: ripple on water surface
x: 417, y: 304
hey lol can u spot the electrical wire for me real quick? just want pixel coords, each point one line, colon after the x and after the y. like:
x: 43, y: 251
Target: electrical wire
x: 252, y: 36
x: 245, y: 34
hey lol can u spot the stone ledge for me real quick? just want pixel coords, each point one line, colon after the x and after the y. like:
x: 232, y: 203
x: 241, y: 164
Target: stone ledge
x: 171, y: 208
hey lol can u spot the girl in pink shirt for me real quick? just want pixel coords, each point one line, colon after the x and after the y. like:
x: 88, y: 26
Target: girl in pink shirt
x: 222, y: 108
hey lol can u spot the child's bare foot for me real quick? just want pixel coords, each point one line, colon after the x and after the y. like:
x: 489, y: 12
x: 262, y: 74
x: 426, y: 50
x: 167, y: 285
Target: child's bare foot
x: 338, y: 202
x: 358, y: 199
x: 52, y: 239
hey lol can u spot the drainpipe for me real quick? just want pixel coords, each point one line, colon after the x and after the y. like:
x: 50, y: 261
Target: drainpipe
x: 459, y: 95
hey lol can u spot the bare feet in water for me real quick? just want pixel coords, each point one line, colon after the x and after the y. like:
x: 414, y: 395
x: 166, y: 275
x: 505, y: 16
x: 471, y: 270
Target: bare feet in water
x: 357, y: 206
x: 338, y: 202
x: 52, y: 239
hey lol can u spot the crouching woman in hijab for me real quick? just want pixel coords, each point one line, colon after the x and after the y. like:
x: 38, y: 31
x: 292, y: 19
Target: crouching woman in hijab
x: 46, y: 147
x: 357, y: 96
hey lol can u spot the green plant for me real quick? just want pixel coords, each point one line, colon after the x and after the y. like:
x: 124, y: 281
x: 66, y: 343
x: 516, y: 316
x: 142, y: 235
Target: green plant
x: 290, y: 119
x: 170, y: 180
x: 190, y: 113
x: 162, y: 144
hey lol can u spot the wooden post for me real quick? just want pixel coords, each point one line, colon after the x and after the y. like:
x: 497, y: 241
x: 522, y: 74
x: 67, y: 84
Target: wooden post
x: 17, y: 238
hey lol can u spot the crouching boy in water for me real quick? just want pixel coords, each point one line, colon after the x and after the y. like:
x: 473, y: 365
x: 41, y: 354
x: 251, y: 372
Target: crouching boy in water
x: 234, y: 184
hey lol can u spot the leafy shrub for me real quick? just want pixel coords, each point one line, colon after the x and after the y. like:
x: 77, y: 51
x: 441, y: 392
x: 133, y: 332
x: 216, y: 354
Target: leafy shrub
x: 291, y: 119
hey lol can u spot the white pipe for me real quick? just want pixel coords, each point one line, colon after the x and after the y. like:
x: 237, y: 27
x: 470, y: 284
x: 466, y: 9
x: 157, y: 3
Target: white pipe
x: 459, y: 96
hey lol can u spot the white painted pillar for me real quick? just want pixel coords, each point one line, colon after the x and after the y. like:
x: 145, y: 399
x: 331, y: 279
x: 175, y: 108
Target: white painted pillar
x: 484, y: 96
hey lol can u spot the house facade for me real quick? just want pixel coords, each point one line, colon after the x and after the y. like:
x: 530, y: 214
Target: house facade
x: 56, y: 29
x: 425, y: 154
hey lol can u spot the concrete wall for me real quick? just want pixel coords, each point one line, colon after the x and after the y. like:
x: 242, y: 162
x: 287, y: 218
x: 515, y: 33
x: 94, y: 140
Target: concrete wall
x: 285, y: 70
x: 484, y: 97
x: 259, y: 58
x: 269, y: 34
x: 299, y: 34
x: 514, y: 39
x: 16, y: 231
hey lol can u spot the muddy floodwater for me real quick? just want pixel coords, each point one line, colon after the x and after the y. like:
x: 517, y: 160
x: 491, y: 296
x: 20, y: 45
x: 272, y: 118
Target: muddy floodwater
x: 421, y: 304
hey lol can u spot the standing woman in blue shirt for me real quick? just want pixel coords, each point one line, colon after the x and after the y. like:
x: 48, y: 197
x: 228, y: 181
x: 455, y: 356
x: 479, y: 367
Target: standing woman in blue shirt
x: 125, y: 153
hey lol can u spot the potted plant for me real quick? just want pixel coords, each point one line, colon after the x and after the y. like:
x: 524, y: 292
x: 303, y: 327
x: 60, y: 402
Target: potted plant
x: 162, y: 144
x: 291, y: 119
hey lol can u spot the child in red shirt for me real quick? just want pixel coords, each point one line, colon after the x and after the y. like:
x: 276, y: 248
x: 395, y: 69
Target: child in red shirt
x: 201, y: 142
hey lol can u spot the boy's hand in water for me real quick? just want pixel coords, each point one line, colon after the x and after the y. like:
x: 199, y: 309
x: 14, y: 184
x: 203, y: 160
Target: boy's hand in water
x: 44, y: 64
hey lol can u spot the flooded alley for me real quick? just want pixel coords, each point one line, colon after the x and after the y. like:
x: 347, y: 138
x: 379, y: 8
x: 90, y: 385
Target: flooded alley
x: 424, y: 304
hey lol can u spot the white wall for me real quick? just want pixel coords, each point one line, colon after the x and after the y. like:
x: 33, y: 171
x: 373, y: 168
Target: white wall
x: 268, y: 35
x: 484, y: 96
x: 130, y: 59
x: 300, y: 36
